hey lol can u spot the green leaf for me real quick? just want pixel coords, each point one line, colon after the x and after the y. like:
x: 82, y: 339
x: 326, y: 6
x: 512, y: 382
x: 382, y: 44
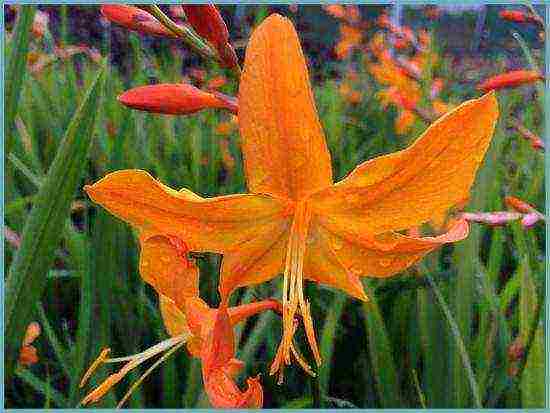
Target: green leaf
x: 380, y: 351
x: 532, y: 379
x: 41, y: 386
x: 41, y: 235
x: 15, y: 72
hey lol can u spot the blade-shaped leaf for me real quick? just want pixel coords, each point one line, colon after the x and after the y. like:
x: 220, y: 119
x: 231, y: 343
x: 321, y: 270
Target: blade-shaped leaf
x: 15, y: 73
x: 42, y: 231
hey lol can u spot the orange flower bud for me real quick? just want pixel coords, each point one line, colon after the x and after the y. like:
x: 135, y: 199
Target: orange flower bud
x: 175, y: 99
x: 207, y: 21
x: 510, y: 79
x: 135, y: 19
x: 513, y: 16
x: 518, y: 204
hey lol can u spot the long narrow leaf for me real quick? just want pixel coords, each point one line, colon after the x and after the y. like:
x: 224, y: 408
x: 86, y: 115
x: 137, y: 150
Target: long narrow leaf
x: 16, y: 69
x: 27, y: 276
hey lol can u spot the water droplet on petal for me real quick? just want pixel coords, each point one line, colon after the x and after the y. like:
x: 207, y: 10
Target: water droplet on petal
x: 385, y: 262
x: 166, y: 260
x: 144, y: 264
x: 351, y: 198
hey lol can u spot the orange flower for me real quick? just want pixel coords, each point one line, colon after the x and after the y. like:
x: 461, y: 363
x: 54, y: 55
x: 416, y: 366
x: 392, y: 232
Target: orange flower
x: 514, y: 16
x: 295, y: 220
x: 207, y: 21
x: 207, y: 332
x: 175, y: 99
x: 352, y: 96
x: 350, y: 14
x: 28, y: 354
x: 510, y: 79
x: 350, y: 37
x: 135, y: 19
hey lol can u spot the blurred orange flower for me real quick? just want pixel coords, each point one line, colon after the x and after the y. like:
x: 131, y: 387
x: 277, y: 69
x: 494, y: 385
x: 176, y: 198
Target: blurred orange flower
x: 295, y: 220
x: 350, y: 38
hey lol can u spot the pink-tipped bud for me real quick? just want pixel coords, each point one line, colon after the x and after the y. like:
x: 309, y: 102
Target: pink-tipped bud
x: 492, y: 218
x: 175, y: 99
x: 531, y: 219
x: 135, y: 19
x: 510, y: 79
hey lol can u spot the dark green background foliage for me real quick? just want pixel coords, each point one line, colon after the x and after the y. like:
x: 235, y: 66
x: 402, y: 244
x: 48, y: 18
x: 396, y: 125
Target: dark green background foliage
x: 437, y: 335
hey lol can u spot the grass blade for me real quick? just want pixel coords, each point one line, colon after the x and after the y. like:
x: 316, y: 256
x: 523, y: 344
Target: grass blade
x: 26, y: 279
x: 15, y: 72
x: 380, y: 352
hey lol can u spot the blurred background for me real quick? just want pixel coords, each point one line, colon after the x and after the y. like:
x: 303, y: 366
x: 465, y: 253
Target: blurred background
x: 461, y: 329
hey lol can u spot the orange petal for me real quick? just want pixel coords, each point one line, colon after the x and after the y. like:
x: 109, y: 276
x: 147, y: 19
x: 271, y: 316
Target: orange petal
x: 28, y: 355
x: 220, y: 347
x: 256, y: 260
x: 174, y: 319
x: 175, y: 99
x: 407, y: 188
x: 224, y: 393
x: 135, y: 19
x: 164, y: 265
x: 382, y: 256
x: 284, y: 148
x: 206, y: 224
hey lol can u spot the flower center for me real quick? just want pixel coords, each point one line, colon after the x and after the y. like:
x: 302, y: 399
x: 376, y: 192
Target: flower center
x: 293, y: 295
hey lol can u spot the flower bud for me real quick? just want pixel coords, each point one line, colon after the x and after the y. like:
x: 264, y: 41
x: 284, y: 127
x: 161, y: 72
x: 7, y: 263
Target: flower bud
x: 135, y: 19
x: 510, y: 79
x: 175, y: 99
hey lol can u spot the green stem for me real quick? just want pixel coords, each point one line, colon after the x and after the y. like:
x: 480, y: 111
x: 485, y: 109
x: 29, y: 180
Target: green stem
x: 460, y: 343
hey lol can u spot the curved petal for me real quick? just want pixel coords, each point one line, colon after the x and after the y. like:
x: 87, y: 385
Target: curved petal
x: 380, y: 256
x: 164, y: 265
x: 173, y: 318
x: 205, y: 224
x: 255, y: 261
x: 410, y: 187
x: 284, y: 149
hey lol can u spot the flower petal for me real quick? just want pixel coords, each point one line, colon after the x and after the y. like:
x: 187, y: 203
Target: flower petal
x: 205, y: 224
x: 173, y: 318
x: 345, y: 256
x: 284, y: 148
x: 164, y: 265
x: 407, y: 188
x: 255, y: 261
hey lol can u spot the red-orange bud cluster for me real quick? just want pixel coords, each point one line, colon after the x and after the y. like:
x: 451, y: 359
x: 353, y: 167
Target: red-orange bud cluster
x: 135, y: 19
x: 175, y: 99
x: 510, y: 79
